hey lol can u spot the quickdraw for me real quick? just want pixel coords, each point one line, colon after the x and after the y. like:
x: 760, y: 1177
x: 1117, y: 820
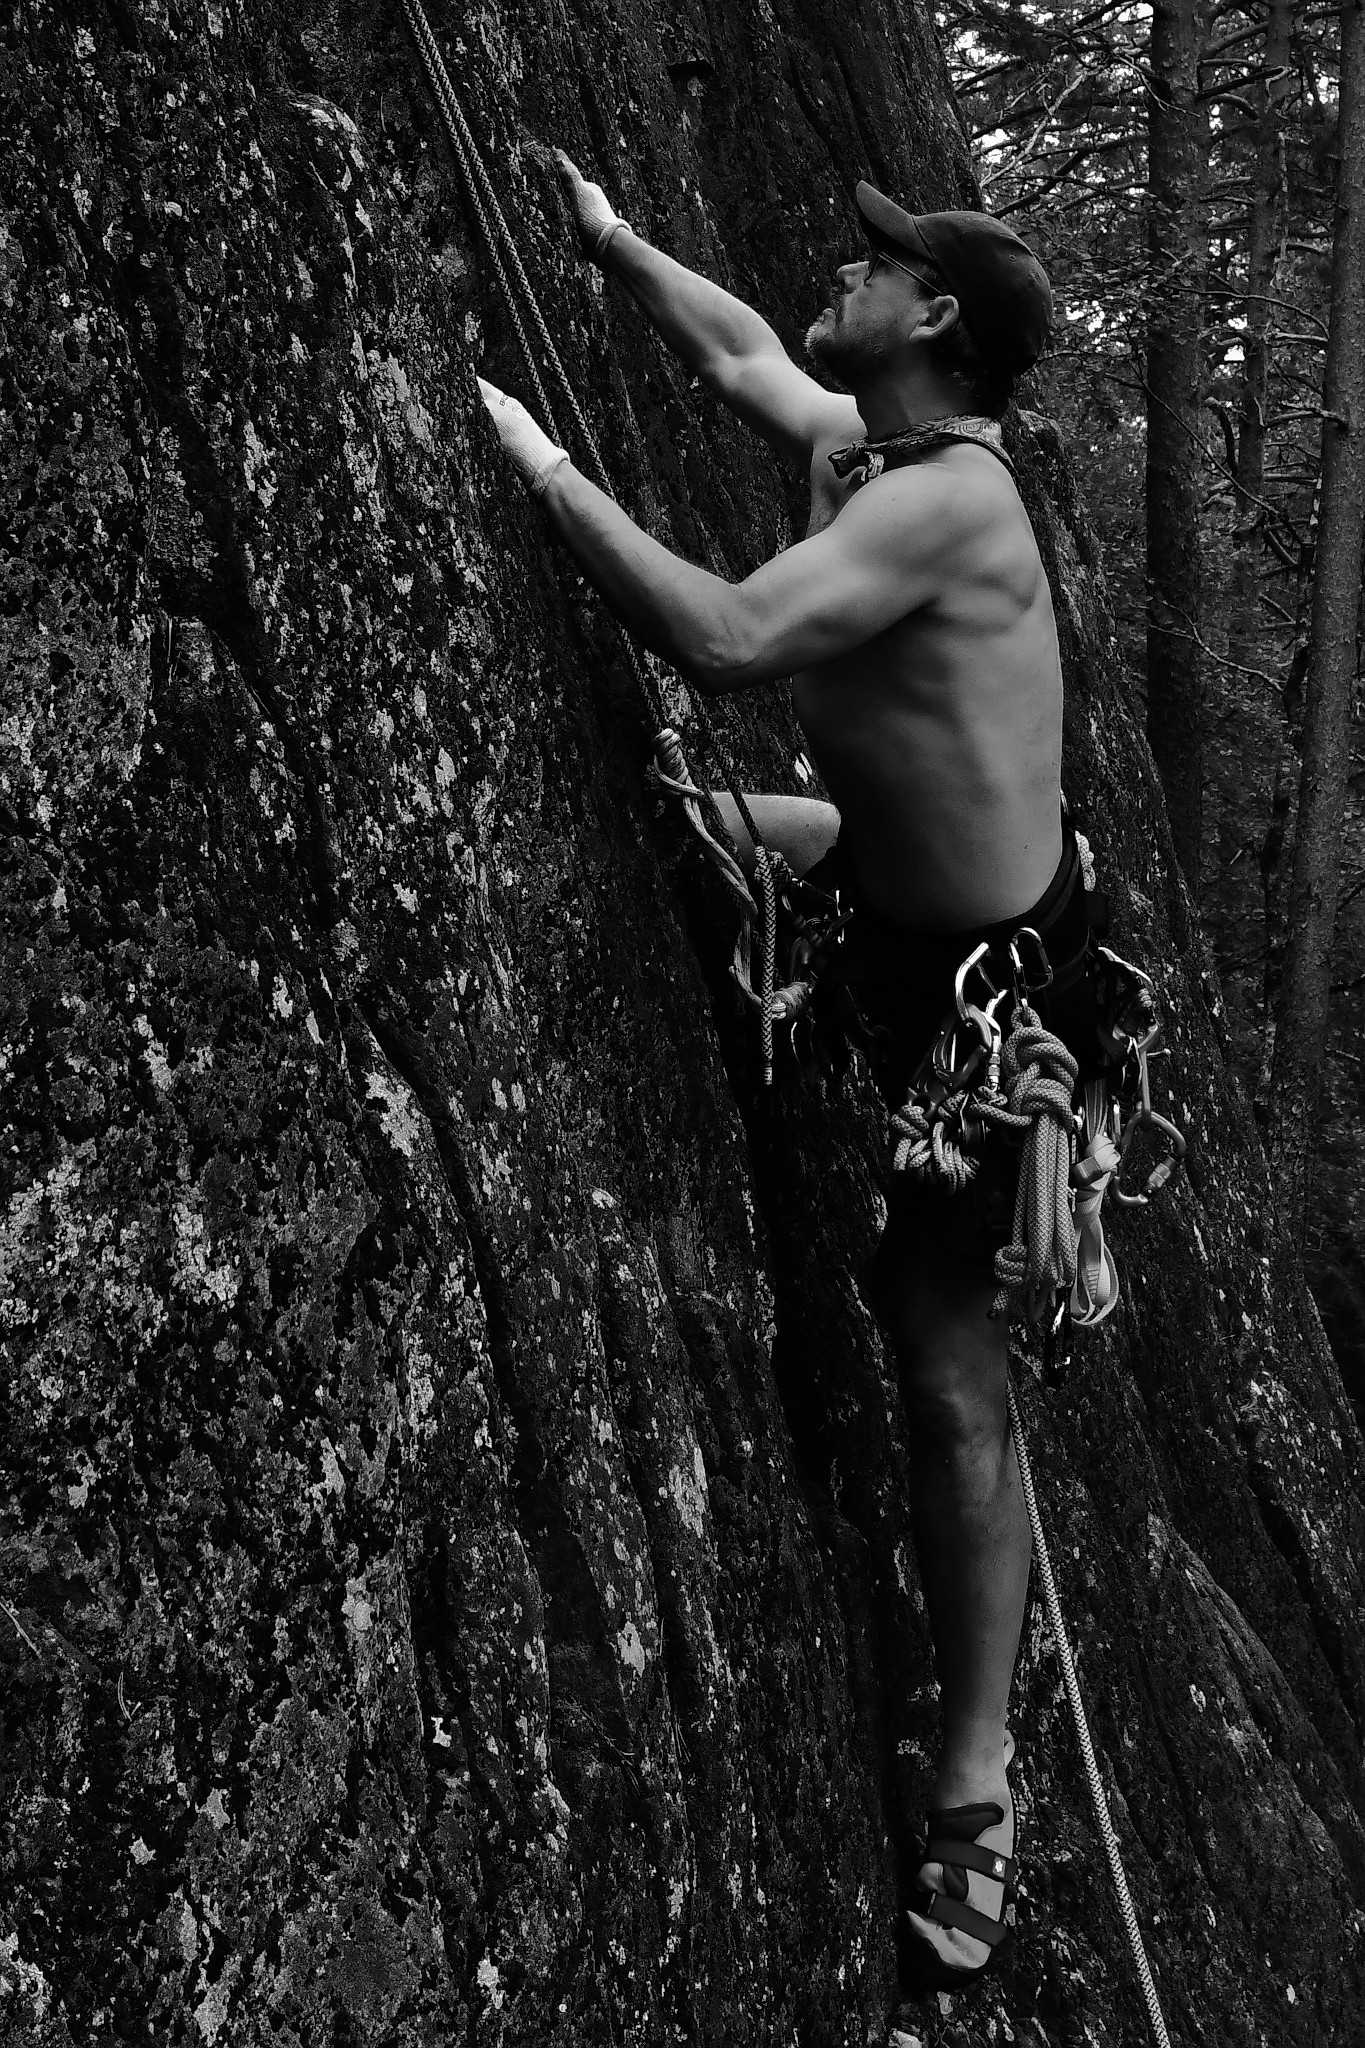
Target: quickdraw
x: 779, y: 890
x: 1129, y: 1032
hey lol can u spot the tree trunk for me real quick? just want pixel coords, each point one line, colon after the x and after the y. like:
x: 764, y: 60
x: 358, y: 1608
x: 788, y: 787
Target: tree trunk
x: 1263, y: 234
x: 1177, y: 243
x: 455, y: 1565
x: 1236, y: 910
x: 1301, y: 1028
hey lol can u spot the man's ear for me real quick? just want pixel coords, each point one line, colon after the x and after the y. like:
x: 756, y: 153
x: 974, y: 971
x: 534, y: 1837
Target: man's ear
x: 941, y: 315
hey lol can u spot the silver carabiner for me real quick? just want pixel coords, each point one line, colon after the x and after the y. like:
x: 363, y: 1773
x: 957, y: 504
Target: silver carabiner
x: 1022, y: 985
x: 1144, y: 1117
x: 945, y: 1059
x: 984, y: 1020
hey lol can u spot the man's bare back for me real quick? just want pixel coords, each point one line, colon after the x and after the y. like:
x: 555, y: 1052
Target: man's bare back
x: 940, y: 739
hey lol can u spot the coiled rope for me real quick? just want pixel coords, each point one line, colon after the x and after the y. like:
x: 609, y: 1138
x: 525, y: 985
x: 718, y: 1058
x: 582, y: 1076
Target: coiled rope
x: 1090, y: 1762
x: 772, y: 1003
x: 1025, y: 1088
x: 1038, y: 1078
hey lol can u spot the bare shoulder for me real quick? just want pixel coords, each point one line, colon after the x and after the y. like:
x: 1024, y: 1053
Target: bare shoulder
x: 961, y: 470
x: 956, y: 498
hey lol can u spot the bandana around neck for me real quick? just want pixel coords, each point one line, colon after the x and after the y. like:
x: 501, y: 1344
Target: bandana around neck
x: 862, y: 460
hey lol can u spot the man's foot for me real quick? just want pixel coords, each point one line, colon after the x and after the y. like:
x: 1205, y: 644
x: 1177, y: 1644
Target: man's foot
x: 936, y: 1952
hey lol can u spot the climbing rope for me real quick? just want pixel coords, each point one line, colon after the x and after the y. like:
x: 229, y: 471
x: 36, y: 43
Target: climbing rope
x: 1023, y: 1086
x: 505, y: 257
x: 1038, y: 1077
x: 484, y: 201
x: 1104, y: 1820
x: 773, y: 1003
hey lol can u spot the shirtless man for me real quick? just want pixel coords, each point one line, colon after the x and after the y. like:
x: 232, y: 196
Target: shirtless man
x: 916, y: 622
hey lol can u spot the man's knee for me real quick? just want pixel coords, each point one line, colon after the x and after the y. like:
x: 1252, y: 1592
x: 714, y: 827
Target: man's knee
x: 956, y: 1402
x: 952, y: 1358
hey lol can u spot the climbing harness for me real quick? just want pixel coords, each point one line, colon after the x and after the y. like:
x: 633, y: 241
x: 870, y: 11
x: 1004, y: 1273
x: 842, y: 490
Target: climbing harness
x: 670, y: 774
x: 1020, y: 1086
x: 977, y: 1082
x: 977, y: 1088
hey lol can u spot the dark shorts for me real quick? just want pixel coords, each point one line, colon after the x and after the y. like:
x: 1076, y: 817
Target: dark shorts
x: 893, y: 988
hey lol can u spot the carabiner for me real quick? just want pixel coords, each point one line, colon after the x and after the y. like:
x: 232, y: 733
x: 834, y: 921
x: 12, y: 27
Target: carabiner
x: 1147, y: 1118
x: 1023, y: 987
x: 970, y: 1013
x: 1163, y: 1169
x: 1138, y: 995
x: 953, y: 1076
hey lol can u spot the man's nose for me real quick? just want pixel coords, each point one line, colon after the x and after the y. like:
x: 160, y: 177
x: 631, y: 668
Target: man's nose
x: 849, y: 275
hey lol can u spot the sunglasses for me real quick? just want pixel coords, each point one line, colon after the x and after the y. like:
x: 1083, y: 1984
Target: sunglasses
x: 879, y: 256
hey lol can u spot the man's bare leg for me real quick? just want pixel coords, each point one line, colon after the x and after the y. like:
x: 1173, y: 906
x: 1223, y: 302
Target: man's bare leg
x: 971, y: 1536
x: 971, y: 1529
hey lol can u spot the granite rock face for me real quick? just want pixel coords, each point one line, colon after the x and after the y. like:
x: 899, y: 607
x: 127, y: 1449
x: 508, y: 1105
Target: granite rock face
x: 454, y: 1542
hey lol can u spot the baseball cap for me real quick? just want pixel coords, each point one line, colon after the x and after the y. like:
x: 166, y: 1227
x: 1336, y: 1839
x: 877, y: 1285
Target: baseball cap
x: 1001, y: 288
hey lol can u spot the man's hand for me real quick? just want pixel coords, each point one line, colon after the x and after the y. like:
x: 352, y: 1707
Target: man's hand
x: 597, y: 218
x: 532, y: 450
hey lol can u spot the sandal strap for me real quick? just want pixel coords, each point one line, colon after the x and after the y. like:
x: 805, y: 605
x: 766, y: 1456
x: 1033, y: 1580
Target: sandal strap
x: 953, y: 1832
x: 952, y: 1913
x: 965, y: 1823
x: 994, y: 1863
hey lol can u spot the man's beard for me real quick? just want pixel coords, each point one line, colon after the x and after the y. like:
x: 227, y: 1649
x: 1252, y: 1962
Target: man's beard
x: 830, y: 348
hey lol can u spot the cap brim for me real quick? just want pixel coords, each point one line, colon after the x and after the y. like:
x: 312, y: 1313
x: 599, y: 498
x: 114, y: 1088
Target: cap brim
x: 889, y: 227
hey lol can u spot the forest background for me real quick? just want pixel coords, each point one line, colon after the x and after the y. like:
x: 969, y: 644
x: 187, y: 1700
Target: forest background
x: 1177, y: 170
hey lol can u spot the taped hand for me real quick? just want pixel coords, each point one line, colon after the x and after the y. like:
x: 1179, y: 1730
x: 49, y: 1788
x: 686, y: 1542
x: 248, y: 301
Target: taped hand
x: 597, y: 218
x: 532, y: 450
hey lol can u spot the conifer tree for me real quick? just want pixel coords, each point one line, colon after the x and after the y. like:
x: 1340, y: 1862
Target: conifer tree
x: 1301, y: 1027
x: 1178, y: 251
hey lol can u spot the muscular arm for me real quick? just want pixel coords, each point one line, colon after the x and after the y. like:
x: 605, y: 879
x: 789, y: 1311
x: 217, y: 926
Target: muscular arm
x: 881, y: 558
x: 734, y: 352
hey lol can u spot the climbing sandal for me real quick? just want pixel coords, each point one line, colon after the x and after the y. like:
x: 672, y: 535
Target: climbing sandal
x: 953, y: 1832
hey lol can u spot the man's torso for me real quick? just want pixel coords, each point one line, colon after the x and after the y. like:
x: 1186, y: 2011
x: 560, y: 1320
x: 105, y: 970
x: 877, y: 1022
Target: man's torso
x: 940, y: 739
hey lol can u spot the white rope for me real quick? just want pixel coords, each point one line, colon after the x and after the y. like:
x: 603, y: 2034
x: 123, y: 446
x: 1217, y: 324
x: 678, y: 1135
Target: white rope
x: 768, y: 967
x: 504, y: 256
x: 1053, y: 1606
x: 507, y: 264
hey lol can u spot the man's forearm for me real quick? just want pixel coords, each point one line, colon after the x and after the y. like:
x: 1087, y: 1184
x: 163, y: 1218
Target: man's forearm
x: 706, y: 326
x: 679, y: 611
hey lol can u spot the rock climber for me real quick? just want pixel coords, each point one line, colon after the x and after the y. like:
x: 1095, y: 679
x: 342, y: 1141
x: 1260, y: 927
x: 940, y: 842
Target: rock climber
x: 916, y: 623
